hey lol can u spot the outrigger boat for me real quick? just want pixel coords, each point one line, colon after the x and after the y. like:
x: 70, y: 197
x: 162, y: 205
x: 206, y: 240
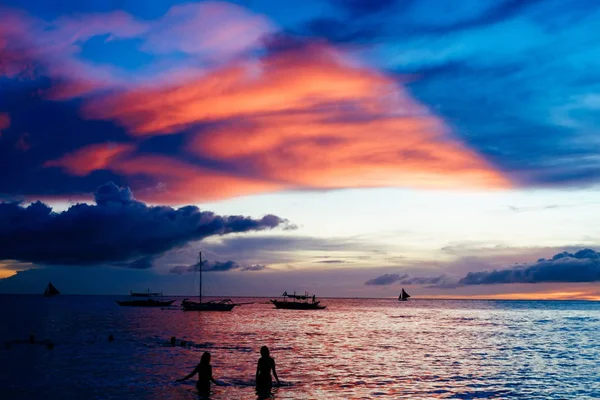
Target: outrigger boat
x: 299, y: 302
x: 146, y: 301
x: 223, y: 305
x: 403, y: 296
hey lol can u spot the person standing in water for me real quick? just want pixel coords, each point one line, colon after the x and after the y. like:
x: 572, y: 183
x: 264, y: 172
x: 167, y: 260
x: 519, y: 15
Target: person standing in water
x: 265, y: 364
x: 204, y: 371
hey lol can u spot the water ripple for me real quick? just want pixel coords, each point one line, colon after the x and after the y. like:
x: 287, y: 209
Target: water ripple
x: 355, y: 349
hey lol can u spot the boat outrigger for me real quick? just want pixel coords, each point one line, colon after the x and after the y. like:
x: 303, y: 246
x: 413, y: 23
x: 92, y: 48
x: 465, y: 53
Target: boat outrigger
x: 403, y: 296
x: 299, y: 302
x: 223, y: 305
x: 147, y: 300
x: 51, y: 290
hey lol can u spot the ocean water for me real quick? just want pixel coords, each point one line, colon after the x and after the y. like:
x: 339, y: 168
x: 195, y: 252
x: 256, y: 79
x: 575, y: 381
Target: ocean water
x: 355, y: 349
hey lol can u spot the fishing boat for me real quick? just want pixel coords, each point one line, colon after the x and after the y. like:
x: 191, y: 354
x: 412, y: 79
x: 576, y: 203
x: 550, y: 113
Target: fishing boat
x: 145, y: 299
x: 51, y: 290
x: 223, y: 305
x: 403, y: 296
x: 298, y: 302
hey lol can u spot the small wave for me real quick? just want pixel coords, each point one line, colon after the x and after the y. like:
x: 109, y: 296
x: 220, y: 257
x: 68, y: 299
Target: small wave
x: 583, y: 319
x: 251, y: 383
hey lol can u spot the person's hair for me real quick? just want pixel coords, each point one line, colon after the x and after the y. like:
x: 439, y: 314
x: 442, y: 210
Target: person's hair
x: 205, y: 359
x: 264, y: 351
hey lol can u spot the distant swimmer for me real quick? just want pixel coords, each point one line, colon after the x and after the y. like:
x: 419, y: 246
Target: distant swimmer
x: 265, y: 364
x: 204, y: 371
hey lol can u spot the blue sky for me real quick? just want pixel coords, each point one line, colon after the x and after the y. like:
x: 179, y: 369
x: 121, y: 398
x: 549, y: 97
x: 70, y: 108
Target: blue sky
x: 397, y: 137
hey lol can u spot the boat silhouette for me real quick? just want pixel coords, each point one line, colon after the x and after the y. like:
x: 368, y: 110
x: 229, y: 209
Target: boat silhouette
x: 403, y: 296
x: 147, y: 300
x: 51, y: 290
x: 223, y: 305
x: 299, y: 302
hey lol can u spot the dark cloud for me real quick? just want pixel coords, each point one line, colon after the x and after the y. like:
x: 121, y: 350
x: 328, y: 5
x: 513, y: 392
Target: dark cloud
x: 117, y: 229
x: 406, y: 279
x: 141, y: 263
x: 386, y: 279
x: 332, y: 262
x: 255, y: 267
x: 581, y: 266
x: 53, y: 129
x: 216, y: 266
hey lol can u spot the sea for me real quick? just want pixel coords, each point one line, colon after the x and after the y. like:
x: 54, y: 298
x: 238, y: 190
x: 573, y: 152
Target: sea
x: 354, y: 349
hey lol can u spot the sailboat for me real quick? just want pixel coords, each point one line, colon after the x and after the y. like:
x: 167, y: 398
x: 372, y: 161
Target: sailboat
x: 50, y: 290
x: 403, y: 296
x: 223, y: 305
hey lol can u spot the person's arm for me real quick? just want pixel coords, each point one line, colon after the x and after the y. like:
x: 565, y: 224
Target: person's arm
x: 188, y: 376
x: 275, y: 373
x: 257, y: 369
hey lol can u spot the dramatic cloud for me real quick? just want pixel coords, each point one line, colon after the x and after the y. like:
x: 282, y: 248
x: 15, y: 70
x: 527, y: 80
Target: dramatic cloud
x: 90, y: 158
x: 216, y: 266
x: 581, y: 266
x: 251, y: 109
x: 319, y: 122
x: 181, y: 182
x: 250, y: 115
x: 116, y: 229
x: 213, y: 32
x: 388, y: 279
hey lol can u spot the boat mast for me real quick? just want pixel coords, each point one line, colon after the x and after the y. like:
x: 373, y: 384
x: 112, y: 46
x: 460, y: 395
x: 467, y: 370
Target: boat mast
x: 200, y: 268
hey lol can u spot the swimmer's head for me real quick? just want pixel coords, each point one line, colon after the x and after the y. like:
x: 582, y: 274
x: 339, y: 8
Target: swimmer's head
x: 205, y: 359
x: 264, y: 351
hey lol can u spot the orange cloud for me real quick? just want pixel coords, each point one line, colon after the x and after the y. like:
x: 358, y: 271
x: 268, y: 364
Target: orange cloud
x: 312, y: 151
x: 307, y: 118
x: 91, y: 158
x: 182, y: 183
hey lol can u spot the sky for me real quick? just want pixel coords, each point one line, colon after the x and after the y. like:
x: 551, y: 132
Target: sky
x: 343, y: 147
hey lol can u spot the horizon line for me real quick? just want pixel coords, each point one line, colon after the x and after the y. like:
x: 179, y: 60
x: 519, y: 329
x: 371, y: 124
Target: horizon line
x: 325, y: 297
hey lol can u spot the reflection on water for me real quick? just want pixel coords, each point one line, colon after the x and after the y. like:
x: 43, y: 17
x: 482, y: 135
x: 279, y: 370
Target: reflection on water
x: 353, y: 349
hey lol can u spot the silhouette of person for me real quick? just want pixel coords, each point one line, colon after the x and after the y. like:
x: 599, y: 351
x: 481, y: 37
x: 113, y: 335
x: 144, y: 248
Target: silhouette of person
x: 263, y: 373
x: 204, y: 371
x: 313, y: 298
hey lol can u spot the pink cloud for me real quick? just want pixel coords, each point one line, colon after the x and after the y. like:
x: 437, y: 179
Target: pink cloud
x: 184, y: 183
x: 212, y: 32
x: 215, y: 31
x: 302, y: 118
x: 306, y: 118
x: 91, y: 158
